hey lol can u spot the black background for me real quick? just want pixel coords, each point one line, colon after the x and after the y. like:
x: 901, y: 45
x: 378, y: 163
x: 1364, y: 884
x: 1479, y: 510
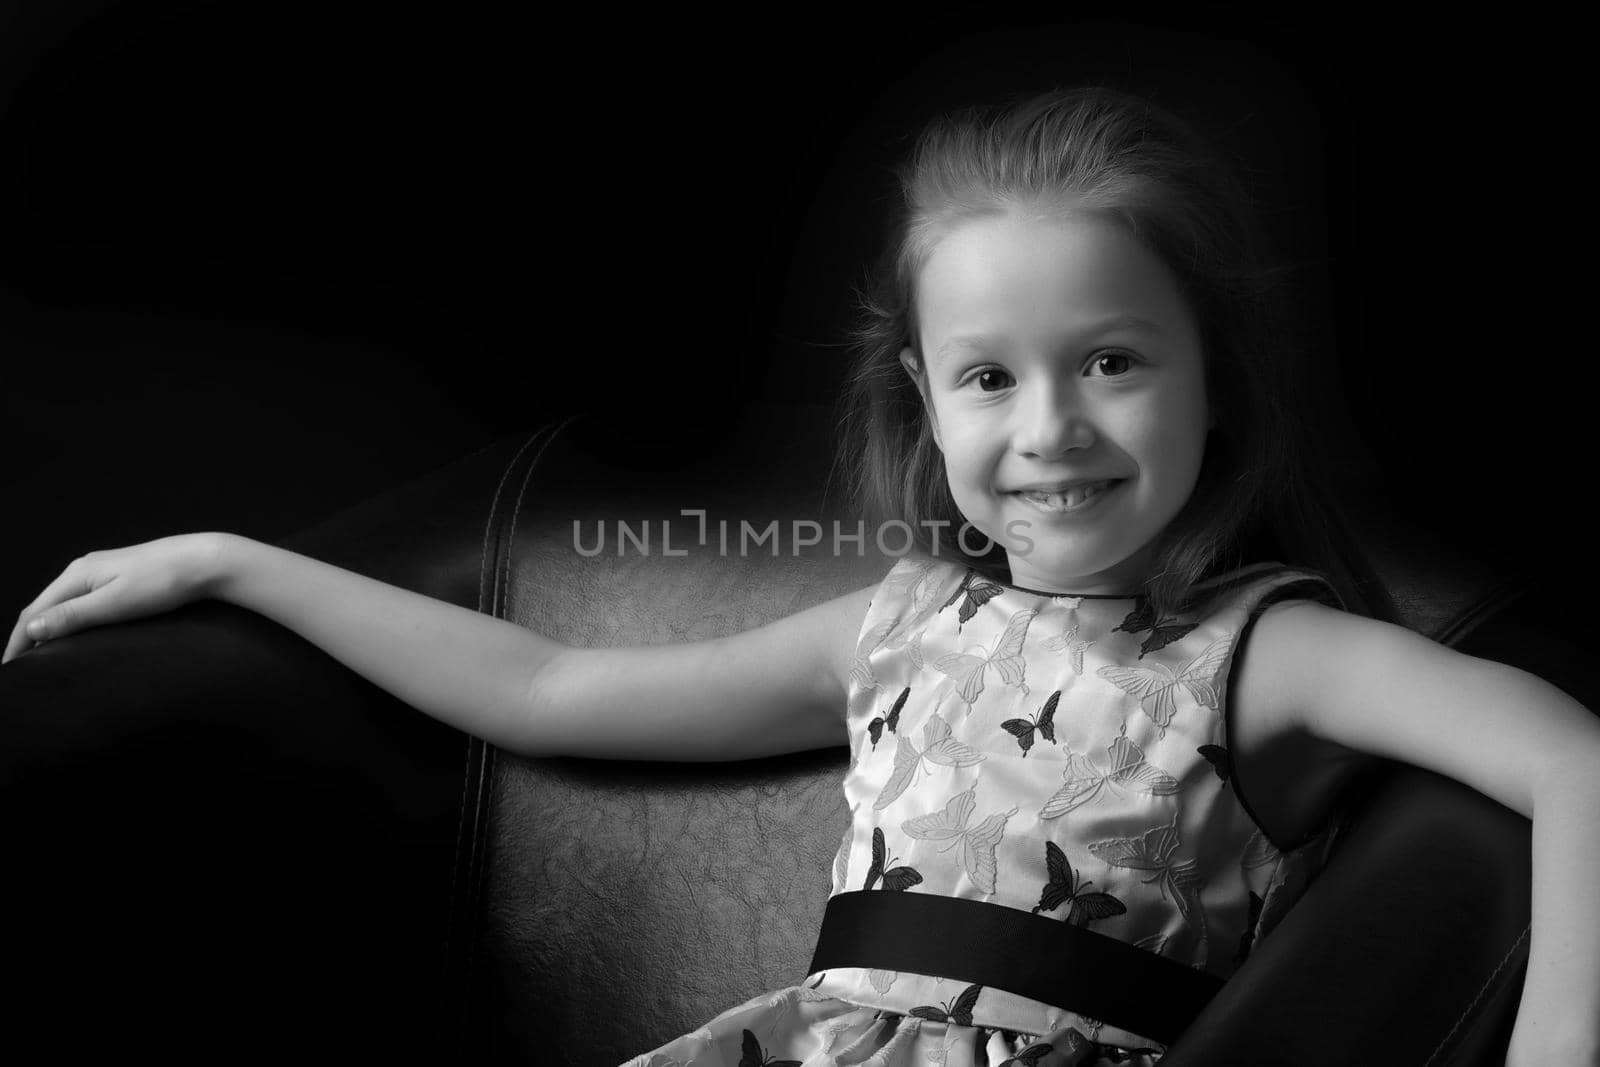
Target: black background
x: 261, y: 260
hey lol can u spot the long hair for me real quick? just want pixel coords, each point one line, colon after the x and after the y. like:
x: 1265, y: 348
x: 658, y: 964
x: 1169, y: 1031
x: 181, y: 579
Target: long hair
x: 1117, y: 157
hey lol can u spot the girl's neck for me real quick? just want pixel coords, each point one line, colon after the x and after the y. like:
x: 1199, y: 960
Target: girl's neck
x: 1122, y: 580
x: 1070, y: 593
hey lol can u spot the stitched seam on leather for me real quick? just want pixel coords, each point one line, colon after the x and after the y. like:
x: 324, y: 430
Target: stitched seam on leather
x: 452, y: 934
x: 502, y: 577
x: 1434, y: 1056
x: 489, y: 526
x: 455, y: 862
x: 483, y: 809
x: 511, y: 533
x: 483, y: 567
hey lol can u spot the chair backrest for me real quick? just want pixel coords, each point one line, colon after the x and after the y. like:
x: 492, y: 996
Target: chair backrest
x: 626, y: 902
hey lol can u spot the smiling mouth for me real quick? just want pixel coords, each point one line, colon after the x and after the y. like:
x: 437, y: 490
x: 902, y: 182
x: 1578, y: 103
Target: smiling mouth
x: 1068, y: 499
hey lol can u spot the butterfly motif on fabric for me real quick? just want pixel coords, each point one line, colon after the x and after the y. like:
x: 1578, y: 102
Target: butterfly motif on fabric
x: 881, y: 980
x: 841, y: 861
x: 782, y: 1004
x: 836, y: 1030
x: 914, y: 650
x: 1093, y: 1025
x: 1247, y: 939
x: 925, y: 594
x: 974, y: 592
x: 755, y: 1056
x: 1129, y: 769
x: 892, y: 720
x: 977, y: 843
x: 903, y: 637
x: 1023, y: 729
x: 1156, y: 943
x: 1156, y: 684
x: 657, y: 1059
x: 894, y: 632
x: 941, y: 1054
x: 1258, y: 852
x: 937, y: 746
x: 1153, y: 851
x: 1068, y: 642
x: 1065, y: 885
x: 957, y: 1010
x: 920, y: 579
x: 967, y: 668
x: 871, y: 640
x: 1220, y: 760
x: 1162, y: 632
x: 1029, y: 1056
x: 893, y: 878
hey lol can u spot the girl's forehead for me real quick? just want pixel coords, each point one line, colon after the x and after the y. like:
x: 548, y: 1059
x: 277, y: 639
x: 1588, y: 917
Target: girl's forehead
x: 1014, y: 273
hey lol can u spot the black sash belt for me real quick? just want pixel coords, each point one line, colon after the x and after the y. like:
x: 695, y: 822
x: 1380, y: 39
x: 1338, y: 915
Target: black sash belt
x: 1006, y: 948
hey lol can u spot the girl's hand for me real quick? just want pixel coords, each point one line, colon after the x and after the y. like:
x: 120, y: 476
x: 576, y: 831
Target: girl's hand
x: 118, y: 584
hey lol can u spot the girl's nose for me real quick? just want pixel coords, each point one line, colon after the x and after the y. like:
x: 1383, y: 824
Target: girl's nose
x: 1052, y: 424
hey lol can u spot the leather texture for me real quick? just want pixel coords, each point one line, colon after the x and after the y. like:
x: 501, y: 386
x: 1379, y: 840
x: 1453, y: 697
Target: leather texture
x: 605, y: 880
x: 224, y: 840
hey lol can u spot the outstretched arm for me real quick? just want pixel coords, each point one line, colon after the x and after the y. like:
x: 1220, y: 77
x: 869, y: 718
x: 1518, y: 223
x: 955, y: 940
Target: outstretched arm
x: 778, y: 688
x: 1512, y: 736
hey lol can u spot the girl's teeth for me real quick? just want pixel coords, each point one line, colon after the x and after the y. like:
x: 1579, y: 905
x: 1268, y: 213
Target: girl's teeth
x: 1070, y: 499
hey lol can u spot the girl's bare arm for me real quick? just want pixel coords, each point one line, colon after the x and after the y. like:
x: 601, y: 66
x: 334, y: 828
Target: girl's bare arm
x: 778, y: 688
x: 1509, y: 734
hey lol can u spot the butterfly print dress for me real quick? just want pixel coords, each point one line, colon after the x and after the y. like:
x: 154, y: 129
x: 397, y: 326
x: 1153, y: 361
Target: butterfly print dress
x: 1063, y: 756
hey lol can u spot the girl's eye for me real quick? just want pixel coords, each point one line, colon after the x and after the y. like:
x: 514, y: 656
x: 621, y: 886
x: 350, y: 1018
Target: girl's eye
x: 1113, y: 364
x: 992, y: 380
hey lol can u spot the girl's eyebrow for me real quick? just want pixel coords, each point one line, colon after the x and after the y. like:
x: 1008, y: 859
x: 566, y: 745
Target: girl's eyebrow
x: 976, y: 344
x: 982, y: 342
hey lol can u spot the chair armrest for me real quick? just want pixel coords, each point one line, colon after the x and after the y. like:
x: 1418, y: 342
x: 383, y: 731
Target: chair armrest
x: 225, y: 840
x: 1410, y: 945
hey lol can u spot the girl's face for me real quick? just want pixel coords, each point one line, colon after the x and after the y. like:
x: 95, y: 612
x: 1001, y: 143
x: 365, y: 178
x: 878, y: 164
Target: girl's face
x: 1066, y: 390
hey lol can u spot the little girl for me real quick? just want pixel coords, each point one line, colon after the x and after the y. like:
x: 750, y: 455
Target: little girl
x: 1067, y: 366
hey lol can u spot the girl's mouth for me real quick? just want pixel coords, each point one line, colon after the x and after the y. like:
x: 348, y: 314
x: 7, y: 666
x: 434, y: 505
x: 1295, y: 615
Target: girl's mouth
x: 1077, y: 498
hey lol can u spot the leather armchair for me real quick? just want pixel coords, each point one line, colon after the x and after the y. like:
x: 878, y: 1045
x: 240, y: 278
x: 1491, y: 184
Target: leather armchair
x: 226, y: 845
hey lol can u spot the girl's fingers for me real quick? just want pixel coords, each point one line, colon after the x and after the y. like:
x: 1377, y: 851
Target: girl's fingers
x: 15, y: 643
x: 72, y: 582
x: 113, y: 586
x: 19, y: 641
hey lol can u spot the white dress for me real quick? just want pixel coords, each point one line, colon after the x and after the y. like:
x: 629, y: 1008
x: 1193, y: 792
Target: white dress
x: 1061, y: 757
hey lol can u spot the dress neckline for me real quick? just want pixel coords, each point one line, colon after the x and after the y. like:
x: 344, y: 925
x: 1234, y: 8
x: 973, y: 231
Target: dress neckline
x: 1239, y: 574
x: 966, y: 568
x: 1071, y: 596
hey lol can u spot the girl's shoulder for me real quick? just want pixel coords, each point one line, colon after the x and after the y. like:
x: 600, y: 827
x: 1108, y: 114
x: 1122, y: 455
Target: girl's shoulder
x: 1291, y: 652
x: 1270, y: 574
x: 1250, y: 591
